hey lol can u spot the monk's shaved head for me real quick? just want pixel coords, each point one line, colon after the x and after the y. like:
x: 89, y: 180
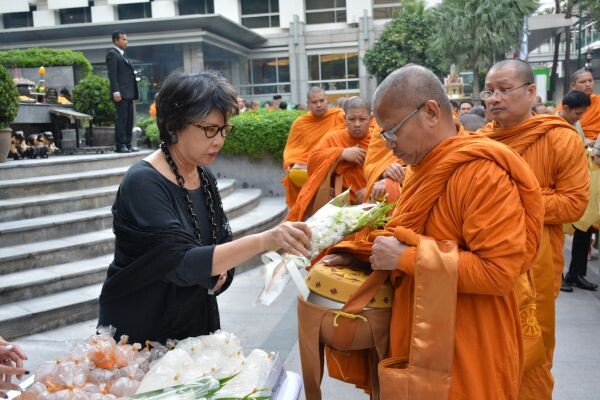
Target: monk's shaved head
x: 575, y: 75
x: 411, y: 85
x: 471, y: 122
x: 314, y: 90
x: 356, y: 102
x: 523, y: 69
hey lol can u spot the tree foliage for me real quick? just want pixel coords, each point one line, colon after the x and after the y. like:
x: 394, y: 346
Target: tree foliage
x: 9, y: 98
x: 405, y: 39
x: 475, y: 32
x: 593, y: 7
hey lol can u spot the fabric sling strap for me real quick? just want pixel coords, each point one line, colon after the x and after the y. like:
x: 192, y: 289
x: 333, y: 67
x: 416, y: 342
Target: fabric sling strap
x: 427, y: 372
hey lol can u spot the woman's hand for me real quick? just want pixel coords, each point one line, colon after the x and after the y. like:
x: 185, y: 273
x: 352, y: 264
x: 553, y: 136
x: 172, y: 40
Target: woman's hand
x: 11, y: 364
x: 291, y: 237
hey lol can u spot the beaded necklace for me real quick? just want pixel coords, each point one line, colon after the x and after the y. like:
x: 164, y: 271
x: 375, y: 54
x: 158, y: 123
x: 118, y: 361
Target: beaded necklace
x: 186, y: 195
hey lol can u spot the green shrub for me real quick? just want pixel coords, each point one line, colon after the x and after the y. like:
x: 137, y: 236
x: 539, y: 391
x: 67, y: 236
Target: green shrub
x: 149, y: 129
x: 36, y: 57
x: 92, y: 96
x: 260, y: 134
x: 9, y: 98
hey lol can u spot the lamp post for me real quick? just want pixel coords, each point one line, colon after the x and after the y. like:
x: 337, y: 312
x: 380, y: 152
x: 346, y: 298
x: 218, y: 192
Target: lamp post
x: 588, y: 60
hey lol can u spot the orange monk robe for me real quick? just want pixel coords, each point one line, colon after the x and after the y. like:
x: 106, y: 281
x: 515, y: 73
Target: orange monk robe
x: 305, y: 133
x: 553, y: 151
x: 378, y: 158
x: 325, y: 156
x: 590, y: 120
x: 482, y: 196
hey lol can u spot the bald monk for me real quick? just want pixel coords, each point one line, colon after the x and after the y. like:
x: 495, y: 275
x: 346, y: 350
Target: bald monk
x: 469, y: 190
x: 337, y: 160
x: 553, y: 151
x: 305, y: 133
x: 583, y: 81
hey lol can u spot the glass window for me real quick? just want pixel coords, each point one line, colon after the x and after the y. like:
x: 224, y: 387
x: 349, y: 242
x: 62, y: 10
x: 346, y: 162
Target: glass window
x: 385, y: 9
x: 266, y: 76
x: 134, y: 11
x: 325, y: 11
x: 260, y: 13
x: 17, y: 20
x: 75, y: 15
x: 189, y: 7
x: 334, y: 72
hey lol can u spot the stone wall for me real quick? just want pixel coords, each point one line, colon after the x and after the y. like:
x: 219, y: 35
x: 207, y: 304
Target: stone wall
x: 263, y: 174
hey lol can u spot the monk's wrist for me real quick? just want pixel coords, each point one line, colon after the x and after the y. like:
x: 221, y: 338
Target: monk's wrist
x: 407, y: 261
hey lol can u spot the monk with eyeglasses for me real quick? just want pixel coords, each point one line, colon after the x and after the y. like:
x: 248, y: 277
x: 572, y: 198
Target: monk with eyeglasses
x: 553, y: 151
x: 469, y: 190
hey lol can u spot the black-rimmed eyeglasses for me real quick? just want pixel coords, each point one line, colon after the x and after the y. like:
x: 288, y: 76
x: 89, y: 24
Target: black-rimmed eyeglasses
x: 212, y: 131
x: 390, y: 135
x: 487, y: 94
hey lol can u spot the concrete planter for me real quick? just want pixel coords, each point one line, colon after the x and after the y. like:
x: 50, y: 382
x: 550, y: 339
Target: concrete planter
x: 4, y: 143
x: 264, y: 174
x: 103, y: 136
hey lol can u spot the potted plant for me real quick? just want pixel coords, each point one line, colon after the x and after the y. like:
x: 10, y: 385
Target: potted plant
x: 9, y: 106
x: 92, y: 96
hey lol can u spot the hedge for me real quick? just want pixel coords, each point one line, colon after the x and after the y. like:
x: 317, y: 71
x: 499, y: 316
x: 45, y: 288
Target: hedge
x: 37, y: 57
x: 149, y: 129
x: 260, y: 134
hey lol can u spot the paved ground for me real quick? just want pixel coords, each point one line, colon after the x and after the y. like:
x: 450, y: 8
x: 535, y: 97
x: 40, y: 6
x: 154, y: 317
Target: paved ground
x: 577, y: 357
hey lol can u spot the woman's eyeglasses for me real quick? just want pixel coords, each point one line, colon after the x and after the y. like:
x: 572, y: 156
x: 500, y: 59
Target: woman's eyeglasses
x: 212, y: 131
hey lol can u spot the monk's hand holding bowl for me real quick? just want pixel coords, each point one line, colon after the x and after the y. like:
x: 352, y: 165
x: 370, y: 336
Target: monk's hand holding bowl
x: 378, y: 190
x: 291, y: 237
x: 395, y: 172
x: 354, y: 155
x: 331, y: 260
x: 385, y: 253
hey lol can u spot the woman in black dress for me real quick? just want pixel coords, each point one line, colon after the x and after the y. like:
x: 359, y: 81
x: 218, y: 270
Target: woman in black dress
x: 174, y: 251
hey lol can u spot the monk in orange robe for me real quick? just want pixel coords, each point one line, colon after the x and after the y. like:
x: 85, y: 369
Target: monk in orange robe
x: 583, y: 81
x: 383, y: 170
x: 337, y: 160
x: 474, y: 192
x: 553, y: 151
x: 305, y: 133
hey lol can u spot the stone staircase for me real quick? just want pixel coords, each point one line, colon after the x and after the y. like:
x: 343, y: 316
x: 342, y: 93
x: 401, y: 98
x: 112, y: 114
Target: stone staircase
x: 56, y: 237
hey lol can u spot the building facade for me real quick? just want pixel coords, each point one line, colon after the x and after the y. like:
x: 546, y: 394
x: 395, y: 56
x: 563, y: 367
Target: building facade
x: 264, y: 47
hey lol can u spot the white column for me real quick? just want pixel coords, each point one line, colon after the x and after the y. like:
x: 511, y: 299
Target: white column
x: 46, y: 18
x: 229, y: 9
x: 287, y: 10
x: 164, y: 8
x: 104, y: 13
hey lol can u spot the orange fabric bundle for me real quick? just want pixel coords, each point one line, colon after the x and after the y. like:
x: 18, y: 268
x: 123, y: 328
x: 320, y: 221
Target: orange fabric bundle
x: 325, y: 158
x: 305, y: 133
x: 481, y: 195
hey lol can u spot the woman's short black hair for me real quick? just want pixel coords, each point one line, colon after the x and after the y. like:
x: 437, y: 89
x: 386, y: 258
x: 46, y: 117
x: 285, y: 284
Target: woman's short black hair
x: 185, y: 98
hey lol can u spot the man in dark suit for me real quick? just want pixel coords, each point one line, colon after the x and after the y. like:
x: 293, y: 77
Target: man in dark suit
x: 123, y: 87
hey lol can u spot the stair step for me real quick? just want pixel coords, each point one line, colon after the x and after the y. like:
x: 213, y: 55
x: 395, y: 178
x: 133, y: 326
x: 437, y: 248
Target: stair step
x: 56, y: 203
x: 40, y: 185
x: 31, y: 230
x: 44, y: 281
x: 49, y: 312
x: 62, y: 164
x: 269, y: 212
x: 40, y: 254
